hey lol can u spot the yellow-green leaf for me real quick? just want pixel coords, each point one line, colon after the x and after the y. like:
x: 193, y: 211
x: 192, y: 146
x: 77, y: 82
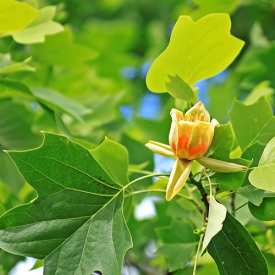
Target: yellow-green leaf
x: 43, y: 25
x: 15, y: 16
x: 197, y: 50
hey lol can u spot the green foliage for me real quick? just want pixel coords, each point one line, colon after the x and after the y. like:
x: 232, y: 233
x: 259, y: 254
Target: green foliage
x: 58, y: 170
x: 15, y: 15
x: 76, y: 71
x: 220, y: 149
x: 179, y: 243
x: 262, y: 176
x: 42, y: 25
x: 235, y: 251
x: 257, y: 118
x: 179, y: 89
x: 203, y: 56
x: 265, y: 211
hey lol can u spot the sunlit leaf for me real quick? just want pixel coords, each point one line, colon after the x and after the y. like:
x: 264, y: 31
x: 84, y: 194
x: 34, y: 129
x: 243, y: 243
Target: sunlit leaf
x: 197, y: 50
x: 76, y: 223
x: 42, y: 25
x: 262, y: 176
x: 253, y: 194
x: 15, y: 16
x: 235, y: 251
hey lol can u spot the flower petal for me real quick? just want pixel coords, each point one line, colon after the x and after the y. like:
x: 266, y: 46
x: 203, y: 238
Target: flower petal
x: 200, y: 139
x: 185, y: 130
x: 160, y: 150
x: 173, y: 134
x: 198, y: 112
x: 165, y: 146
x: 220, y: 166
x: 178, y: 177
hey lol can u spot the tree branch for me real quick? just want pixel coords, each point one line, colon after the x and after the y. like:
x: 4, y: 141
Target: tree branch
x: 203, y: 193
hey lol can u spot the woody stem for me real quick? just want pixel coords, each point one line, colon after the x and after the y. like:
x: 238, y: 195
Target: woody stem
x: 203, y: 193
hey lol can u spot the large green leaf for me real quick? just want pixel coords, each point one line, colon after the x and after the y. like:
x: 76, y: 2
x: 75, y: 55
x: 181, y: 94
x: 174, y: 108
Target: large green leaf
x: 15, y: 16
x: 179, y: 243
x: 257, y: 120
x: 76, y: 224
x: 197, y: 50
x: 42, y: 25
x: 263, y: 176
x: 235, y: 251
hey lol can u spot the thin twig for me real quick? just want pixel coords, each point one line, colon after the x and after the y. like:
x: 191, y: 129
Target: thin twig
x: 232, y: 203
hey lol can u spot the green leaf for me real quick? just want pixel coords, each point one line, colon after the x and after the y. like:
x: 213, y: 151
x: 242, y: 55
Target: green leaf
x: 265, y: 211
x: 42, y: 25
x: 262, y: 89
x: 220, y: 149
x: 7, y: 66
x: 64, y: 104
x: 217, y: 214
x: 113, y: 158
x: 235, y: 252
x: 262, y: 176
x: 59, y: 49
x: 213, y: 6
x: 252, y: 193
x: 15, y: 16
x: 179, y: 89
x: 197, y: 50
x: 76, y: 224
x: 37, y: 264
x: 179, y: 243
x: 257, y: 120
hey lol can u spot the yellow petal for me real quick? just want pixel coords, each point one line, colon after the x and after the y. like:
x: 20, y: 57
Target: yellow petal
x: 198, y: 112
x: 200, y: 139
x: 178, y: 177
x: 173, y: 134
x: 220, y: 166
x: 160, y: 150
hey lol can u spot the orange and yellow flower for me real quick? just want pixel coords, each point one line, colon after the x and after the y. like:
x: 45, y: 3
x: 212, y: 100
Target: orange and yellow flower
x: 189, y: 138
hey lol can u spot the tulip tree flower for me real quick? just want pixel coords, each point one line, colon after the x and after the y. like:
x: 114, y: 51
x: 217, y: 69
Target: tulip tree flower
x: 189, y: 138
